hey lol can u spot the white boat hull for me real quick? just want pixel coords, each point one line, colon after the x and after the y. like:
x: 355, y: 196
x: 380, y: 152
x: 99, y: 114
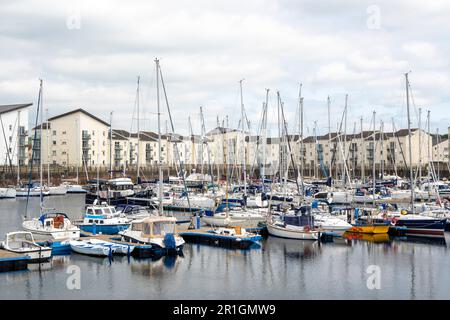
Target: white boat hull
x: 7, y: 193
x: 291, y: 234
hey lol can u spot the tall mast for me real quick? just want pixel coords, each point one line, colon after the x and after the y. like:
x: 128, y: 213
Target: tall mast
x: 243, y: 139
x: 302, y: 146
x: 78, y: 147
x: 41, y: 153
x: 138, y: 131
x: 411, y: 176
x: 18, y: 147
x: 374, y: 184
x: 382, y: 148
x: 329, y: 132
x: 201, y: 143
x: 48, y: 149
x: 344, y: 173
x: 110, y: 145
x: 264, y: 137
x: 363, y: 153
x: 420, y: 144
x: 160, y: 207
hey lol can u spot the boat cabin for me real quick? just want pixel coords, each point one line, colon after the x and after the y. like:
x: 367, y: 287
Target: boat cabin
x: 53, y: 220
x: 155, y: 226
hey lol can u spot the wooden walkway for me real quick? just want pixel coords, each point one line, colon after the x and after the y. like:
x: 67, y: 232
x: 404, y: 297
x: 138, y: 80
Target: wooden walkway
x: 11, y: 261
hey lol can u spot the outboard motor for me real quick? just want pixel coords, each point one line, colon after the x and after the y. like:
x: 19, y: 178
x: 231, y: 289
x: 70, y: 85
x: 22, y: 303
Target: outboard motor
x: 169, y: 241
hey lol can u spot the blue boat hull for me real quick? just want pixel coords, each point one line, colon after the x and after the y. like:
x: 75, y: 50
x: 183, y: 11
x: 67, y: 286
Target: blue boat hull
x: 104, y: 229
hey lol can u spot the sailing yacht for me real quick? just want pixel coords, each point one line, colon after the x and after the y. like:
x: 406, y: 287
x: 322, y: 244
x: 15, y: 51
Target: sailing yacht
x: 55, y: 227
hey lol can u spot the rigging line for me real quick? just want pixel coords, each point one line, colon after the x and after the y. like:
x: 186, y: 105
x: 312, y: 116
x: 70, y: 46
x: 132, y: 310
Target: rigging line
x: 6, y: 143
x: 30, y: 174
x: 173, y: 131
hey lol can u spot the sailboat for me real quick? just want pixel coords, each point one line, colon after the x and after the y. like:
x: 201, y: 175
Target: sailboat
x: 55, y: 227
x: 158, y: 231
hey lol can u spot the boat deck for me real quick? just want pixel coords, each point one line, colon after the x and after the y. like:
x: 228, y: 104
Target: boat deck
x: 11, y: 261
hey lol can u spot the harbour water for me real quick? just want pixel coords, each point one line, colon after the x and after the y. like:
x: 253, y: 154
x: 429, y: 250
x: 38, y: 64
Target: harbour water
x: 280, y: 269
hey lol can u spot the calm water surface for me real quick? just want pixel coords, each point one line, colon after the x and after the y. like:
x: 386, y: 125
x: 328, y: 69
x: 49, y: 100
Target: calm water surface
x: 281, y: 269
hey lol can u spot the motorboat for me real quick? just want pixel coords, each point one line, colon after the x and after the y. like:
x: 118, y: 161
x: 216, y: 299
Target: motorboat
x: 133, y: 212
x: 293, y: 226
x: 22, y: 242
x: 160, y: 232
x: 103, y: 219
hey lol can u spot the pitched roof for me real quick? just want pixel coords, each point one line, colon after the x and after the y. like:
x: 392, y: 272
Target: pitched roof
x: 44, y: 126
x: 82, y: 111
x: 220, y: 130
x: 11, y: 107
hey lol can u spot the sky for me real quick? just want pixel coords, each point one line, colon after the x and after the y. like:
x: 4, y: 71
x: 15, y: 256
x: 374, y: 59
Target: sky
x: 90, y: 53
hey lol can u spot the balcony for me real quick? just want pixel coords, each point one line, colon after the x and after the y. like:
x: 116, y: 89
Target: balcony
x: 118, y: 157
x: 118, y: 148
x: 85, y: 136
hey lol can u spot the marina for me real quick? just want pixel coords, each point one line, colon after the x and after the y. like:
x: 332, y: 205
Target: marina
x: 251, y: 151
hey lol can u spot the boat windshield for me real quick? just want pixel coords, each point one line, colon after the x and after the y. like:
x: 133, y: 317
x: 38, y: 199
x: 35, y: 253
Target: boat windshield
x: 162, y: 228
x: 21, y: 237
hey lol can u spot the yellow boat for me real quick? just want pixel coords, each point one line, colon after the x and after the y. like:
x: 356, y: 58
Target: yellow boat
x: 374, y: 237
x: 371, y: 228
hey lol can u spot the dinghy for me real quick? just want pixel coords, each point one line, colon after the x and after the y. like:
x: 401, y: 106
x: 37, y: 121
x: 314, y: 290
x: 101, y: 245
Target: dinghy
x: 87, y: 248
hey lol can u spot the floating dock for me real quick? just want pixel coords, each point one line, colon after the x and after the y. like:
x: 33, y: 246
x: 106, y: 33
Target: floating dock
x: 10, y: 261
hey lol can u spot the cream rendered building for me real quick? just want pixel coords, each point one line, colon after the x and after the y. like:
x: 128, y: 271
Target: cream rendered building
x: 75, y: 138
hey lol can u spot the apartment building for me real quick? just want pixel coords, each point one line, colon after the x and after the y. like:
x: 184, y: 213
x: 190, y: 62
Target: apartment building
x: 14, y: 134
x: 74, y: 138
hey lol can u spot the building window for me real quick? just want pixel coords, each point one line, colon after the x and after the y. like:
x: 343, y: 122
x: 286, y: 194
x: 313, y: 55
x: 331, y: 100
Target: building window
x: 54, y: 142
x: 54, y: 153
x: 54, y: 132
x: 64, y: 132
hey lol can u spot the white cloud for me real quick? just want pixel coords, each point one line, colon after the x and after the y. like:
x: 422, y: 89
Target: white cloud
x: 206, y: 47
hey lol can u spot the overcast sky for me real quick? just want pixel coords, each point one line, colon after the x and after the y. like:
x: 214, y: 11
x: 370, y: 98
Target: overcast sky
x: 89, y: 54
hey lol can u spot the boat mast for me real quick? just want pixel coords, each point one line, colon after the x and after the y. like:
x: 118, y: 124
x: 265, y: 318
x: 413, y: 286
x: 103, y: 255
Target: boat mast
x: 138, y: 179
x: 429, y: 154
x: 18, y: 147
x: 411, y: 177
x: 344, y: 160
x: 48, y: 149
x: 41, y: 153
x: 329, y: 131
x: 160, y: 206
x: 363, y: 154
x: 302, y: 149
x: 110, y: 145
x: 420, y: 144
x: 264, y: 138
x: 243, y: 139
x: 374, y: 184
x: 382, y: 148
